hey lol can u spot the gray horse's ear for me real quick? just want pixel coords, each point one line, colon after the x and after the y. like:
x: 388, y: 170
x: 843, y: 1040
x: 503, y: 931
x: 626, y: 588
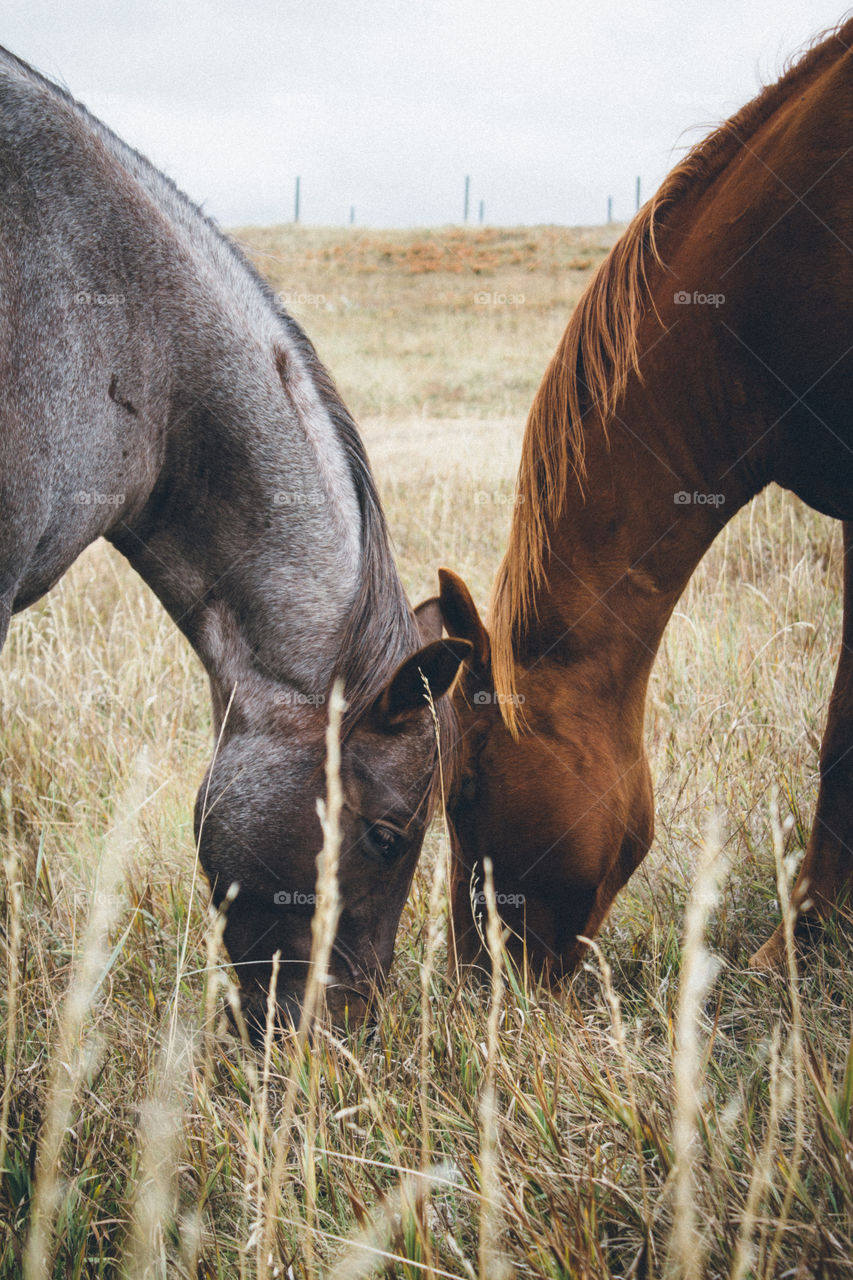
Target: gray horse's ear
x: 429, y: 620
x: 461, y: 617
x: 405, y: 692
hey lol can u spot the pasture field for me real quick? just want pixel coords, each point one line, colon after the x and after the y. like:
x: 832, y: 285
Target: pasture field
x: 665, y: 1115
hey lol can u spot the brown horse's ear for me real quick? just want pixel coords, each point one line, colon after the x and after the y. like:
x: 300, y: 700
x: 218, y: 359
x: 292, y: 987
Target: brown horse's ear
x: 461, y: 617
x: 429, y: 619
x: 405, y: 692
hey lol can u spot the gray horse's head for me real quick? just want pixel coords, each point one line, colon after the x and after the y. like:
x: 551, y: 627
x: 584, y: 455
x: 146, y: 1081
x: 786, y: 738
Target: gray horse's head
x: 257, y: 826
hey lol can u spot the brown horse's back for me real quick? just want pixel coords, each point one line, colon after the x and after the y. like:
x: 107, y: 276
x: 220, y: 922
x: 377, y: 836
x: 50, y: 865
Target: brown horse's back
x: 772, y: 236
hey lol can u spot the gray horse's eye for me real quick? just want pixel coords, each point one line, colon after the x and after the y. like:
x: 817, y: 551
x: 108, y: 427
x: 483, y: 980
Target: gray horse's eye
x: 385, y: 841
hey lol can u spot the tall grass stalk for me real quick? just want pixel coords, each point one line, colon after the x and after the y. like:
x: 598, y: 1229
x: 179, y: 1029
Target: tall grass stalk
x: 437, y: 896
x: 324, y: 925
x: 75, y: 1053
x: 686, y: 1259
x: 785, y: 868
x: 492, y: 1264
x: 635, y: 1117
x: 762, y: 1175
x: 14, y: 934
x: 160, y: 1125
x: 368, y: 1249
x: 257, y: 1157
x: 181, y: 958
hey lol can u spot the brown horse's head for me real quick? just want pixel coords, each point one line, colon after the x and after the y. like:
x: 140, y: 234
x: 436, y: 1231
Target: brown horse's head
x: 257, y: 825
x: 564, y: 810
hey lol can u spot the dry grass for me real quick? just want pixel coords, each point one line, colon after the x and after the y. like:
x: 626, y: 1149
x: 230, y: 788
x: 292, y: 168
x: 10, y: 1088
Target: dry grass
x: 562, y: 1111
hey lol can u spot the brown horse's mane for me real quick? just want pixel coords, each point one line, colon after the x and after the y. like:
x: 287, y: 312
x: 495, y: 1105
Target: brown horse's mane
x: 590, y: 368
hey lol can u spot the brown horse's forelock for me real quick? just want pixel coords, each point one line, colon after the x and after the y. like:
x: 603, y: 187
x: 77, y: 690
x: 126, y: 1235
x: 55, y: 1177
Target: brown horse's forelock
x: 590, y: 368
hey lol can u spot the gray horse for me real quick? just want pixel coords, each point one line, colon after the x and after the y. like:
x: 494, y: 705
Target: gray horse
x: 154, y: 393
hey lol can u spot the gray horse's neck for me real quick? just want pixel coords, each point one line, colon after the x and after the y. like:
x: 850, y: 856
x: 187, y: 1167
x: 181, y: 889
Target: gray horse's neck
x: 252, y: 534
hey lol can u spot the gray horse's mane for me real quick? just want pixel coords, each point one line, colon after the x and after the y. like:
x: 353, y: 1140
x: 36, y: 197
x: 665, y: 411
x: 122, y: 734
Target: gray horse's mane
x: 380, y: 630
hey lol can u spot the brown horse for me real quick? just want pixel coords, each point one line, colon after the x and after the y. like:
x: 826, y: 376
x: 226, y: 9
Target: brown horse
x: 709, y: 356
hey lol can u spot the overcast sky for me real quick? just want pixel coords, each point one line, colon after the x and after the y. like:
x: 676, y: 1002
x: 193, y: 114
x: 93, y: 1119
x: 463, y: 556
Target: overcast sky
x: 549, y: 106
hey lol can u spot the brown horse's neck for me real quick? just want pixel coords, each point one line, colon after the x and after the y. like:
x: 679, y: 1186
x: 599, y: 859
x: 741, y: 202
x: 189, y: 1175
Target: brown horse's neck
x: 679, y: 391
x: 662, y: 474
x: 618, y: 563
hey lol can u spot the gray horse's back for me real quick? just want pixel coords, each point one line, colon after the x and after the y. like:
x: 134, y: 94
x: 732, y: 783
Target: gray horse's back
x: 67, y: 442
